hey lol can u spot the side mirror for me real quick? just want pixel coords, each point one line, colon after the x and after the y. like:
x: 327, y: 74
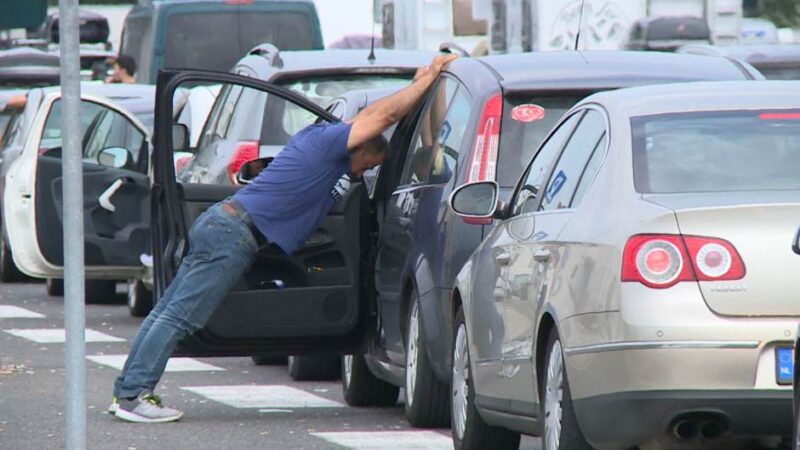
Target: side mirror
x: 117, y: 157
x: 249, y: 170
x: 475, y: 200
x: 180, y: 137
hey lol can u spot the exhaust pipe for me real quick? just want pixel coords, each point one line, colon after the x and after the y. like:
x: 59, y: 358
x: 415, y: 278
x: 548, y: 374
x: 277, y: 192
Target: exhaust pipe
x: 684, y: 429
x: 712, y: 429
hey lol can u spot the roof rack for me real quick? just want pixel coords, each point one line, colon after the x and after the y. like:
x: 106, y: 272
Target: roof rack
x: 270, y: 52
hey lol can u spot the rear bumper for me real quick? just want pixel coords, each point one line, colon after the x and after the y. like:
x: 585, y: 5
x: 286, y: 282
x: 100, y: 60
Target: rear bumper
x: 630, y: 418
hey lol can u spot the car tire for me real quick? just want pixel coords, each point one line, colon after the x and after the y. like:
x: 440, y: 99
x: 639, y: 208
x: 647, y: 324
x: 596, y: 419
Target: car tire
x: 268, y: 360
x: 469, y: 430
x: 314, y: 367
x: 561, y: 430
x: 361, y: 388
x: 54, y: 286
x: 140, y: 299
x: 427, y: 404
x: 9, y: 273
x: 101, y: 292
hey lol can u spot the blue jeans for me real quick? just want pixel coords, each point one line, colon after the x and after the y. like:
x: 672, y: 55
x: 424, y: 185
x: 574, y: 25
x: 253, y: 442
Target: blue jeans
x: 222, y: 249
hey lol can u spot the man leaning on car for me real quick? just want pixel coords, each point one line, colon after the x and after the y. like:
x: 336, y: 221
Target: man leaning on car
x: 308, y: 177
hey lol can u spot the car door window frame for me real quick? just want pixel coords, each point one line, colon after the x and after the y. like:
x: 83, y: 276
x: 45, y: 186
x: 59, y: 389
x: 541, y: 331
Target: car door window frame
x: 521, y: 183
x: 405, y: 181
x: 606, y: 126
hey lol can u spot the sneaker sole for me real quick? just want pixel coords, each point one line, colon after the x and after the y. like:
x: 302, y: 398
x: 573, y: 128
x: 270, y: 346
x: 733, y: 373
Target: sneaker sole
x: 131, y: 417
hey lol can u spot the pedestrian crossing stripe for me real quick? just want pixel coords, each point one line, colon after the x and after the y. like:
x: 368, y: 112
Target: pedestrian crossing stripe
x: 15, y: 312
x: 58, y: 335
x: 396, y: 440
x: 173, y: 365
x: 269, y: 397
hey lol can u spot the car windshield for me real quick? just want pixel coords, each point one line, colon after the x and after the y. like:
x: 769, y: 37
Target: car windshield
x: 523, y: 130
x: 780, y: 72
x: 194, y: 39
x: 322, y: 90
x: 717, y: 151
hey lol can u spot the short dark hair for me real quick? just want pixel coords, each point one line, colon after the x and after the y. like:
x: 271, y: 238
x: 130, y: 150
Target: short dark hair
x: 127, y: 63
x: 376, y: 146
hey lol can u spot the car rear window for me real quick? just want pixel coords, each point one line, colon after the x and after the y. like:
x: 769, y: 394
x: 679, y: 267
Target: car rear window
x: 780, y: 72
x: 193, y: 39
x: 320, y: 90
x: 717, y: 151
x: 521, y: 137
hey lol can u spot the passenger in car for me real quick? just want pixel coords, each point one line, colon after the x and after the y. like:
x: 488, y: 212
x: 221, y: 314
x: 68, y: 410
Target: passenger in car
x: 280, y: 209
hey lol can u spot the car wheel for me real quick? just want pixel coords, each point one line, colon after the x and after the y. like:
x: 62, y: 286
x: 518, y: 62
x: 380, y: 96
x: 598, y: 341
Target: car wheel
x: 100, y: 292
x: 469, y: 430
x: 268, y: 360
x: 55, y: 287
x: 361, y: 388
x: 314, y: 367
x: 9, y: 272
x: 427, y: 404
x: 561, y: 430
x: 140, y: 299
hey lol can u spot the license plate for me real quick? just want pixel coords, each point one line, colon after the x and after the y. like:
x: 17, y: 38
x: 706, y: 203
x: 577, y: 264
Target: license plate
x: 784, y: 365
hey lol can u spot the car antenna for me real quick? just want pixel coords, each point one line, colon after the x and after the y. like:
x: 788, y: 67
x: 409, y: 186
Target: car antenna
x: 371, y: 58
x: 580, y: 25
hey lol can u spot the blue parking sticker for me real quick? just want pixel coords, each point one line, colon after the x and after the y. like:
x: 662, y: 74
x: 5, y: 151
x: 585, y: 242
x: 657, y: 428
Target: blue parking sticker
x: 784, y: 365
x: 556, y: 185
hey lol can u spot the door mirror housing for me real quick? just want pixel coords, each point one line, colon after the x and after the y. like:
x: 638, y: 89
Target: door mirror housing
x: 180, y: 137
x: 117, y: 157
x: 251, y: 169
x: 476, y: 200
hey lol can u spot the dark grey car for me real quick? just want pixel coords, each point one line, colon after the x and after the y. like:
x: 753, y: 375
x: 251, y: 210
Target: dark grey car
x: 483, y: 120
x: 774, y: 61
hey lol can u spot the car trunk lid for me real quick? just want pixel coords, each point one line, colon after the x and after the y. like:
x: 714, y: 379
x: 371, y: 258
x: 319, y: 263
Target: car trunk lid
x: 762, y: 226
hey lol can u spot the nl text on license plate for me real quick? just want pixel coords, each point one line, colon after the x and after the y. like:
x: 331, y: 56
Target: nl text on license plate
x: 784, y: 365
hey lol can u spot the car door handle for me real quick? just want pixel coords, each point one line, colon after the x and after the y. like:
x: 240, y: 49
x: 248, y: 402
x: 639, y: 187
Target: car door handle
x: 541, y: 256
x: 502, y: 258
x: 105, y: 198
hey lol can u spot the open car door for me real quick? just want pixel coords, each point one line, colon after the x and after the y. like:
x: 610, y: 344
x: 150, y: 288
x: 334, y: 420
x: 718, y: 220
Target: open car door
x: 308, y: 302
x: 116, y: 192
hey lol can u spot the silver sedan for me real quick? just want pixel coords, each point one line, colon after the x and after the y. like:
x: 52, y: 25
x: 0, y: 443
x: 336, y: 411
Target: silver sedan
x: 640, y: 288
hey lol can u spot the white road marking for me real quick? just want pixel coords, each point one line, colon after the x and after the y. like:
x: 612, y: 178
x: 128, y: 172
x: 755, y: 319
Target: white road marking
x: 58, y: 335
x: 263, y: 397
x: 396, y: 440
x: 15, y: 312
x: 173, y: 365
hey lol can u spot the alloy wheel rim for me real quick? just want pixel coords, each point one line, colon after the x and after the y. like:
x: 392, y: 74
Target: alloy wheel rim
x: 554, y: 393
x: 412, y: 354
x: 348, y: 369
x: 460, y: 382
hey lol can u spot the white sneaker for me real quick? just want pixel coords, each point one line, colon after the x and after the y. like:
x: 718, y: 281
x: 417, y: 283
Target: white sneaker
x: 112, y: 408
x: 146, y: 408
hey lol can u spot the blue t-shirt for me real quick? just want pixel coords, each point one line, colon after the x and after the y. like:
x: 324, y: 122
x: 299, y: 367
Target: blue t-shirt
x: 289, y: 199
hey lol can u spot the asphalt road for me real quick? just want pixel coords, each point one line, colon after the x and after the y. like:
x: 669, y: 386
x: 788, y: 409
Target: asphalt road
x: 228, y: 402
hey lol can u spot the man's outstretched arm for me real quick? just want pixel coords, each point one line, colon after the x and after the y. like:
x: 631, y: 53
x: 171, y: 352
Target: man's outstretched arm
x: 379, y: 116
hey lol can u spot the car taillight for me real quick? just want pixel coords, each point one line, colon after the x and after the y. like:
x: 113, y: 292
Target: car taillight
x: 244, y: 152
x: 482, y: 162
x: 662, y: 260
x: 181, y: 162
x: 714, y: 259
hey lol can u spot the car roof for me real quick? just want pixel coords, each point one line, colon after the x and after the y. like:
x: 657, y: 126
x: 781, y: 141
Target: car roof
x: 700, y: 96
x: 160, y: 3
x: 753, y: 54
x: 563, y: 70
x: 335, y: 61
x: 113, y: 91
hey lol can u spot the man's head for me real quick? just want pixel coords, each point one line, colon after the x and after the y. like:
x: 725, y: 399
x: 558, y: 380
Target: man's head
x: 368, y: 155
x: 124, y: 69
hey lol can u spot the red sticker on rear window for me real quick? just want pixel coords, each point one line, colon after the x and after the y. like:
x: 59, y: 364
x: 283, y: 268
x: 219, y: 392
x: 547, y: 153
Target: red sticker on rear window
x: 527, y: 113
